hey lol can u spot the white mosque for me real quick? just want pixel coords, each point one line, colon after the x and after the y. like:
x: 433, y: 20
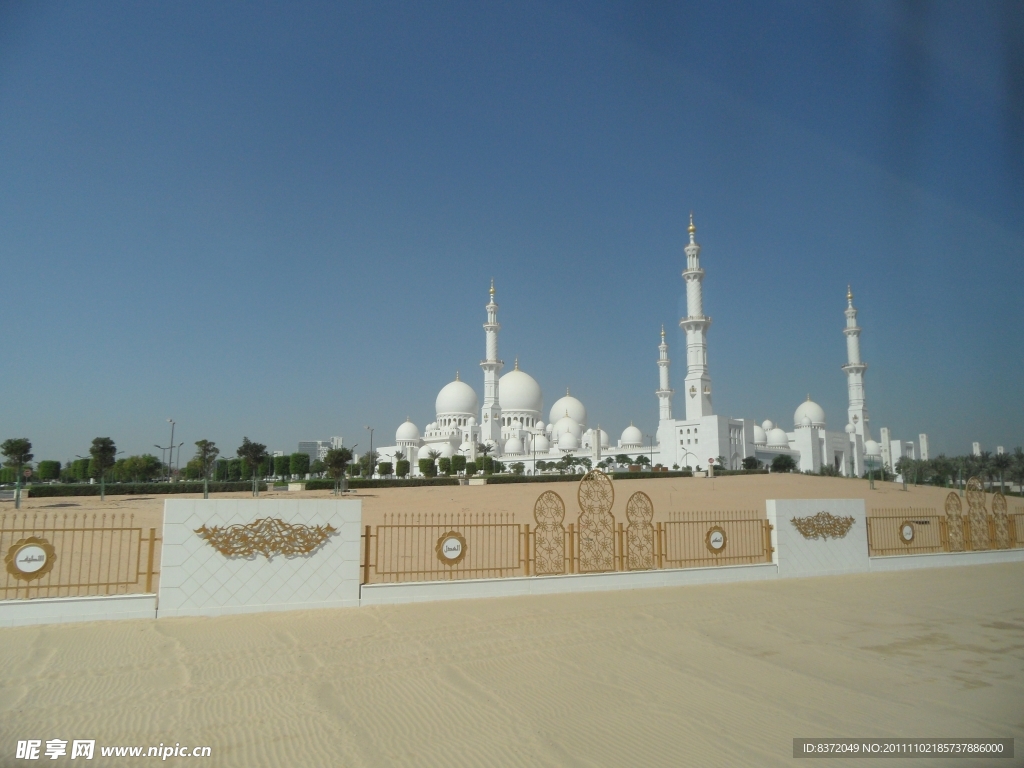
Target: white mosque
x: 511, y: 421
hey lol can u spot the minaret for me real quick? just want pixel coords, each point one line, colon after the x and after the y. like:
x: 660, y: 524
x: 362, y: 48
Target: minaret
x: 698, y: 381
x: 854, y: 368
x: 664, y: 392
x: 490, y: 424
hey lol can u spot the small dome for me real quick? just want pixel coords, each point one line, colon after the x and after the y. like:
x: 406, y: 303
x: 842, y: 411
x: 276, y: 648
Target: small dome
x: 871, y: 448
x: 812, y: 410
x: 767, y: 426
x: 471, y: 422
x: 407, y: 431
x: 456, y: 397
x: 514, y: 447
x: 539, y: 425
x: 424, y: 452
x: 760, y: 434
x: 466, y: 448
x: 631, y: 437
x: 850, y: 429
x: 567, y: 424
x: 519, y: 391
x: 567, y: 441
x: 604, y: 439
x: 541, y: 444
x: 777, y: 438
x: 567, y: 406
x: 805, y: 421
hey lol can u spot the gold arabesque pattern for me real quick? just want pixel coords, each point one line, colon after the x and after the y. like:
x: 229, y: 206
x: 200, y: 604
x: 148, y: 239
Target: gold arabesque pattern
x: 977, y: 514
x: 549, y: 536
x: 954, y: 522
x: 823, y: 525
x: 1001, y: 522
x: 639, y: 532
x: 597, y: 526
x: 267, y: 536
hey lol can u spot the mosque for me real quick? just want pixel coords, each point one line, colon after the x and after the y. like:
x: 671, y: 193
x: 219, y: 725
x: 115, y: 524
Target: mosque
x: 512, y: 423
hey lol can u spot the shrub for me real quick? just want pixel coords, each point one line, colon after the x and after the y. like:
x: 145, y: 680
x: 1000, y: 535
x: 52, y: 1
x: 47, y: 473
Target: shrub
x: 402, y: 468
x: 428, y: 468
x: 471, y: 468
x: 385, y: 468
x: 458, y: 463
x: 134, y: 489
x: 783, y: 463
x: 444, y: 464
x: 322, y: 485
x: 49, y: 470
x: 298, y: 464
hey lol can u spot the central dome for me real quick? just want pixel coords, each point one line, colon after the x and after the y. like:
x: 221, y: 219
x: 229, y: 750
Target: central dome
x: 568, y: 406
x: 519, y: 391
x: 456, y: 397
x: 811, y: 410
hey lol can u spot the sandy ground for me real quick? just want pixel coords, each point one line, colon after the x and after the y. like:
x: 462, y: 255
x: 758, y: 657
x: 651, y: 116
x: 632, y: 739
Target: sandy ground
x: 723, y: 675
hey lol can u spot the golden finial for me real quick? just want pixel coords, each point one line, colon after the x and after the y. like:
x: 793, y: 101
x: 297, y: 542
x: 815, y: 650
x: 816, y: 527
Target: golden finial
x: 567, y: 394
x: 492, y: 287
x: 517, y: 362
x: 849, y: 293
x: 808, y: 397
x: 662, y: 331
x: 693, y: 227
x: 456, y: 375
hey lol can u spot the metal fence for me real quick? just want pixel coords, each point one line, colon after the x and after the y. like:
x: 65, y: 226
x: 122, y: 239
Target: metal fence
x: 78, y: 555
x: 916, y: 531
x: 410, y: 547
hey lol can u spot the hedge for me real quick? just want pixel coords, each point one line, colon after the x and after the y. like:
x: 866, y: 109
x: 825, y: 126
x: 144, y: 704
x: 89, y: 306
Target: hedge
x: 396, y: 482
x: 134, y: 489
x: 500, y: 479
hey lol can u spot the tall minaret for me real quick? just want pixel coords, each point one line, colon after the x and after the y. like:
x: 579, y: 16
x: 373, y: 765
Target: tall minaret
x: 490, y: 426
x: 854, y: 368
x: 664, y: 392
x: 698, y: 381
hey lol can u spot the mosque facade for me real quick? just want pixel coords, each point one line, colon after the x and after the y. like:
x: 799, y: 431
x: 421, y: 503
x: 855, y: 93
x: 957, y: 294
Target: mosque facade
x: 514, y: 426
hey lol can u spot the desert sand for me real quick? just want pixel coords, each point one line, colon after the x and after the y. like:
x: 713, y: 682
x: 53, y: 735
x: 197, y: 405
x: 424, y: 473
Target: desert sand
x: 723, y: 675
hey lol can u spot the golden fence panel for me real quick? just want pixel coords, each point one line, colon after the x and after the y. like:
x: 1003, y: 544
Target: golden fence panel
x: 92, y: 554
x: 908, y: 531
x: 710, y: 538
x: 1017, y: 527
x: 410, y: 547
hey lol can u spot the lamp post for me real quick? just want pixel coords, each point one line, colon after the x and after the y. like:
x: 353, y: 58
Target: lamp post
x: 170, y: 458
x: 650, y: 440
x: 344, y: 479
x: 369, y: 456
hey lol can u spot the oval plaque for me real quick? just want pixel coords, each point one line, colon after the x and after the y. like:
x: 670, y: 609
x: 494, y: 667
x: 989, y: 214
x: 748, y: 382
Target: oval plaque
x: 906, y: 531
x: 30, y: 558
x: 715, y: 540
x: 451, y: 548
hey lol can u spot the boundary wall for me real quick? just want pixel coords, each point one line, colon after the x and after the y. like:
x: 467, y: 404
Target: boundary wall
x: 196, y: 579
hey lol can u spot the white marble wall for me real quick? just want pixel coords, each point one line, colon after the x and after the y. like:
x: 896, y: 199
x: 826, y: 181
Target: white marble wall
x: 197, y: 580
x: 797, y: 556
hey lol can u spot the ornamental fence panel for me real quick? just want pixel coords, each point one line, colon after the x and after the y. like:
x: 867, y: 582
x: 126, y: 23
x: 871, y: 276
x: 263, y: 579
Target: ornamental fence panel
x: 907, y: 531
x: 77, y: 555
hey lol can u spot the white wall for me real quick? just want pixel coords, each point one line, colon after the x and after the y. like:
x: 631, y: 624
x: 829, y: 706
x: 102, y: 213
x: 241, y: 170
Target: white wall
x: 797, y: 556
x: 197, y: 580
x: 57, y: 610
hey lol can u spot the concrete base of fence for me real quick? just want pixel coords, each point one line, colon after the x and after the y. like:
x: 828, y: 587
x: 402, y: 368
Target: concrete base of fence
x: 945, y: 559
x: 425, y: 591
x: 58, y: 610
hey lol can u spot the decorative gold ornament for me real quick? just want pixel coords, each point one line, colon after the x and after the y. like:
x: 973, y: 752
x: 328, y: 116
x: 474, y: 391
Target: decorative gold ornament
x: 640, y: 532
x: 549, y: 536
x: 267, y: 536
x: 954, y: 522
x: 822, y: 525
x: 716, y: 539
x: 1002, y: 522
x: 977, y: 514
x: 451, y: 548
x: 597, y: 538
x: 31, y: 558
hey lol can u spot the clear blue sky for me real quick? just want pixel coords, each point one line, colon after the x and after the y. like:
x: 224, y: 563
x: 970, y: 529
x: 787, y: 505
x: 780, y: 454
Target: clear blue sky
x: 279, y: 220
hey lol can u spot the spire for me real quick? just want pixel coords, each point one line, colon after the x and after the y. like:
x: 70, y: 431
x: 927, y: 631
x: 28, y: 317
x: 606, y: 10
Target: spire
x: 692, y: 229
x: 456, y: 375
x: 517, y: 362
x: 663, y: 332
x: 849, y: 296
x: 492, y: 287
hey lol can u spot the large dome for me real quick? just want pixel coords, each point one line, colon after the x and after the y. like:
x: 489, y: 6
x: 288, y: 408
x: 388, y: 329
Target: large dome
x: 519, y: 391
x: 456, y: 397
x: 760, y: 436
x: 871, y: 448
x: 567, y: 441
x: 541, y: 444
x: 777, y: 438
x: 631, y: 437
x: 812, y: 410
x: 564, y: 425
x: 407, y: 431
x: 514, y: 447
x: 567, y: 406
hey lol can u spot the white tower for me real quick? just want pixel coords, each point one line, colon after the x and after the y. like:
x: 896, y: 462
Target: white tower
x: 664, y: 392
x: 858, y: 413
x: 490, y: 426
x: 698, y: 381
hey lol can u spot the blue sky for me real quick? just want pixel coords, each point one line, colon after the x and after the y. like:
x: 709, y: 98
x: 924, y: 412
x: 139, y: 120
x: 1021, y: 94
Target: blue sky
x: 279, y: 220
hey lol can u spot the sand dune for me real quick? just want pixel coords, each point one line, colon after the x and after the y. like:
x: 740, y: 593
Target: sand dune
x: 703, y: 676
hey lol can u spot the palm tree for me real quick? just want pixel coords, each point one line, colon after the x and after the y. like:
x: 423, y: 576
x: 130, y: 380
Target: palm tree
x: 18, y: 452
x: 1018, y: 468
x: 1000, y: 463
x: 253, y: 453
x: 484, y: 449
x: 336, y: 460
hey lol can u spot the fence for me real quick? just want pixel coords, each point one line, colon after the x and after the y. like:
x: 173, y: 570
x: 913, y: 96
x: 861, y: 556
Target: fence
x: 916, y: 531
x: 57, y: 555
x: 473, y: 546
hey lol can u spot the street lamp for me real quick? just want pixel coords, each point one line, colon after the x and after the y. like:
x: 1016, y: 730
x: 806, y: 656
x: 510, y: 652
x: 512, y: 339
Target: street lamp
x: 369, y: 459
x: 170, y: 458
x: 650, y: 440
x: 103, y: 472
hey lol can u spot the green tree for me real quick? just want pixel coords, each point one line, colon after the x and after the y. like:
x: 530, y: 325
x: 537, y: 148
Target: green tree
x: 282, y: 466
x: 444, y: 465
x: 751, y: 463
x: 1017, y: 471
x: 783, y: 463
x: 458, y: 463
x: 17, y: 453
x: 385, y: 468
x: 642, y: 460
x: 206, y: 455
x: 103, y: 453
x: 517, y: 468
x: 299, y: 464
x: 253, y: 454
x: 622, y: 459
x: 49, y: 470
x: 471, y: 468
x: 428, y: 468
x: 368, y: 463
x: 402, y: 467
x: 318, y: 468
x: 1001, y: 463
x: 336, y: 460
